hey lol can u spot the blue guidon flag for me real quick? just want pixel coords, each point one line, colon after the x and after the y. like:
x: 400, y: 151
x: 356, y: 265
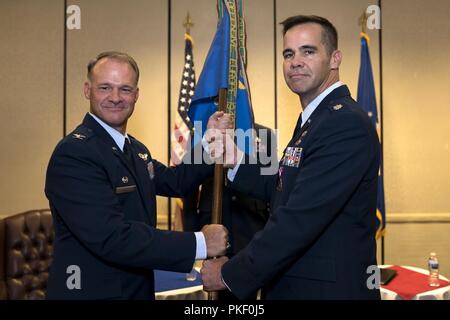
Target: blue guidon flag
x: 225, y: 67
x: 367, y: 100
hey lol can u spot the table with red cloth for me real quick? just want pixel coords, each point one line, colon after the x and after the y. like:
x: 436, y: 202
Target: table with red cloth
x: 411, y: 283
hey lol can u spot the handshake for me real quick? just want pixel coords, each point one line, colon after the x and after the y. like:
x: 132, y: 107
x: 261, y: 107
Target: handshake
x: 220, y: 139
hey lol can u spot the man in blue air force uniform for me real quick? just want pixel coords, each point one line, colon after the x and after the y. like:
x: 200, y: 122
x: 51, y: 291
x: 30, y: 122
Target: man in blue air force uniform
x: 102, y: 185
x: 320, y: 238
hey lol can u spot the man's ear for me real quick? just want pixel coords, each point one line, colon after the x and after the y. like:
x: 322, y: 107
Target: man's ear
x: 137, y: 95
x: 87, y: 90
x: 336, y: 59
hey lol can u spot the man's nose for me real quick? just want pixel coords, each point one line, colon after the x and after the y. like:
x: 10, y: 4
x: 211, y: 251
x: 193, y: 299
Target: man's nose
x: 297, y: 62
x: 114, y: 96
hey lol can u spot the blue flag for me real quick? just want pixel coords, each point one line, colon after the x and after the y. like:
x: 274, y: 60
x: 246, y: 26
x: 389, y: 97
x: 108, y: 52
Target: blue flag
x: 223, y: 60
x: 367, y: 100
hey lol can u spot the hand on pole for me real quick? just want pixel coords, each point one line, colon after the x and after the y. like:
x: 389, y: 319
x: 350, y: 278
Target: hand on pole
x: 212, y: 274
x: 216, y: 237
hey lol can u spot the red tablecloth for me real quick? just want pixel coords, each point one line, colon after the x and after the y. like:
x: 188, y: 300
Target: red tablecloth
x: 408, y: 283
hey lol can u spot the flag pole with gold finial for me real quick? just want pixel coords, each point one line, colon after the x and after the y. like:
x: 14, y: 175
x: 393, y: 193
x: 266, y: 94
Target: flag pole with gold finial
x: 188, y: 24
x: 363, y: 23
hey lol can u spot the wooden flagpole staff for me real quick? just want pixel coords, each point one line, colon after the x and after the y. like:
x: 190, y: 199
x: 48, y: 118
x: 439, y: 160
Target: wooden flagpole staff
x: 227, y: 102
x: 216, y: 214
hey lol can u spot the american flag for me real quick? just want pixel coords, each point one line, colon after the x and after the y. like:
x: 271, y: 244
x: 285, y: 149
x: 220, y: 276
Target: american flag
x: 183, y: 125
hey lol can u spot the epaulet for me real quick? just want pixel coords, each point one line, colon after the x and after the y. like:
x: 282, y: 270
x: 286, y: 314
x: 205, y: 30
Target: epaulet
x: 81, y: 133
x: 336, y: 107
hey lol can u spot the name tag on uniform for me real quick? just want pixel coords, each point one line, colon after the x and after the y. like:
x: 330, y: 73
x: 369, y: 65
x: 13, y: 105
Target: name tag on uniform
x: 292, y: 157
x: 125, y: 189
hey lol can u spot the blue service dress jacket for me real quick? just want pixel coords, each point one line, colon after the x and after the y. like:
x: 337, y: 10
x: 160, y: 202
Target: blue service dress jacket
x: 320, y: 237
x: 104, y: 212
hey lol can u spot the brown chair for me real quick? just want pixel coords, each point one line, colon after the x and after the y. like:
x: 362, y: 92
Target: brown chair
x: 26, y: 250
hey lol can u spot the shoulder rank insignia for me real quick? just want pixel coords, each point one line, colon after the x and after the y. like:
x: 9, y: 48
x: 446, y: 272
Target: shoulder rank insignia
x: 337, y: 107
x: 143, y: 156
x: 78, y: 136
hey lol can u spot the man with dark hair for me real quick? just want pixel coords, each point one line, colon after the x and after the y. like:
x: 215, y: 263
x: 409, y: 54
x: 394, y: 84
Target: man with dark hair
x: 329, y: 32
x: 320, y: 238
x: 102, y: 185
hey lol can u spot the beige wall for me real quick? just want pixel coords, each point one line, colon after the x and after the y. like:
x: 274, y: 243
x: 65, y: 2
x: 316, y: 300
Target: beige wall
x: 417, y: 105
x: 31, y: 91
x: 416, y: 76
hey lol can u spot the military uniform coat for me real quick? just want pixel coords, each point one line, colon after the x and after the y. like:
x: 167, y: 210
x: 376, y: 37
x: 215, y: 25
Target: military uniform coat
x: 320, y: 237
x: 104, y: 213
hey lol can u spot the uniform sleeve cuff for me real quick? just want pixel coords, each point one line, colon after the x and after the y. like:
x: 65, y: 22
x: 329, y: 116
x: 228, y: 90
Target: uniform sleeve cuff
x: 225, y: 284
x: 201, y: 252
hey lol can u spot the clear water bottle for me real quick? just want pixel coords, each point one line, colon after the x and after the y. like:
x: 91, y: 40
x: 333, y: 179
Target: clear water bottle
x: 433, y: 267
x: 191, y: 276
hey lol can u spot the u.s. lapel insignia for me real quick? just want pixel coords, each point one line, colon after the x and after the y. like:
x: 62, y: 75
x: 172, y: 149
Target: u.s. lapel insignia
x: 125, y: 179
x: 297, y: 143
x: 337, y: 107
x: 79, y: 136
x: 151, y: 170
x: 143, y: 156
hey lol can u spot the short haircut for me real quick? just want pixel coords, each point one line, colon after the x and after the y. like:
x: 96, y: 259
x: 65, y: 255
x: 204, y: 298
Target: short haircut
x: 329, y: 32
x: 115, y: 55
